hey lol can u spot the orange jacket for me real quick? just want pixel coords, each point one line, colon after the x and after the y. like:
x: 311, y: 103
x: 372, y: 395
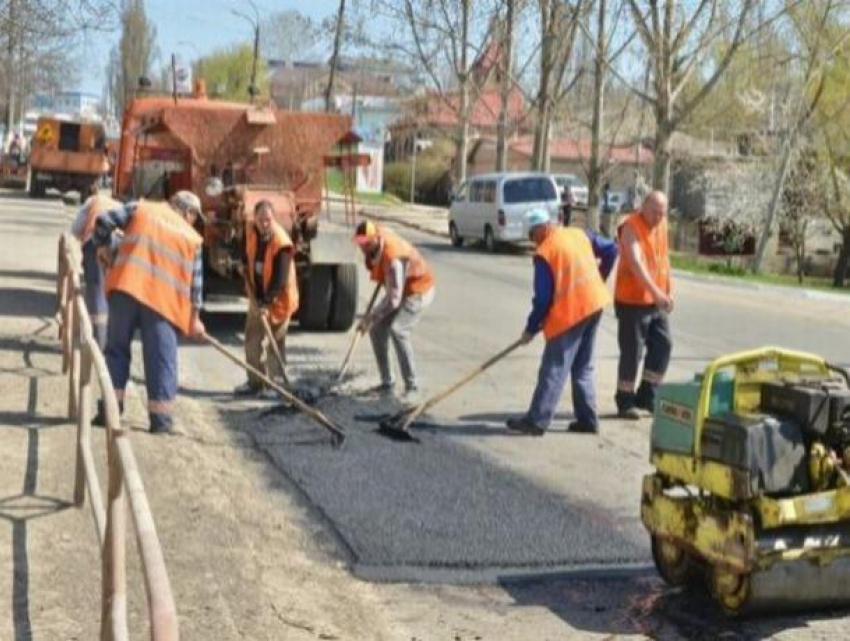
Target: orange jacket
x: 155, y: 262
x: 95, y: 205
x: 286, y: 303
x: 419, y: 277
x: 653, y: 246
x: 579, y: 288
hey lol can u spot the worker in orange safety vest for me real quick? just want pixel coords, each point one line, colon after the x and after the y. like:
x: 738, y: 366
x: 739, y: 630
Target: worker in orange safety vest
x: 409, y: 290
x: 154, y: 284
x: 643, y: 300
x: 570, y: 268
x: 272, y: 287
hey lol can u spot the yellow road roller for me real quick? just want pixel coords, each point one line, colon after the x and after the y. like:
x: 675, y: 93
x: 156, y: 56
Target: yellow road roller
x: 751, y: 486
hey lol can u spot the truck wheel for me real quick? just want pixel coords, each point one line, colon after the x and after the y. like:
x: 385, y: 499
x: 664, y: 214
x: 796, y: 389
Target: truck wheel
x: 344, y: 302
x: 35, y: 188
x: 315, y: 304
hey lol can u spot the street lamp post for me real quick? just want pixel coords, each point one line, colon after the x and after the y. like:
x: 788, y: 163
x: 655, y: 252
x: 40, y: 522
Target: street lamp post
x: 255, y: 24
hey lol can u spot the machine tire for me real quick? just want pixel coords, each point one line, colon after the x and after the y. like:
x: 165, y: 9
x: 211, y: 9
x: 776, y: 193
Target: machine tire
x: 316, y: 295
x: 673, y: 562
x: 732, y: 591
x: 489, y: 240
x: 344, y: 301
x: 36, y: 189
x: 457, y: 239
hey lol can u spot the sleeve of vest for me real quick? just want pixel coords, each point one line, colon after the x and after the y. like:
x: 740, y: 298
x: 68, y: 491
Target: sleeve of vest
x: 544, y: 290
x: 109, y: 221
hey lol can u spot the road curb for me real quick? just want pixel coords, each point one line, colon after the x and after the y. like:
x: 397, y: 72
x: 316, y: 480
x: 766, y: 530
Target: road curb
x: 811, y: 294
x: 404, y: 222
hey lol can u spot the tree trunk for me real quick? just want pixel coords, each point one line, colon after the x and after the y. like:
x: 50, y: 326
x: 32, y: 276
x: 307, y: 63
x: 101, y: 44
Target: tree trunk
x: 840, y: 273
x: 10, y: 74
x: 506, y: 85
x: 462, y: 141
x: 540, y: 151
x: 663, y: 156
x: 775, y: 199
x: 594, y: 173
x: 340, y: 17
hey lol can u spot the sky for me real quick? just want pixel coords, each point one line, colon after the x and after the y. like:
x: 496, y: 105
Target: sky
x: 205, y: 24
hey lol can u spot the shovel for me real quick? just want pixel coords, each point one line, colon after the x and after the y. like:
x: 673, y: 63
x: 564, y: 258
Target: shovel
x: 397, y: 426
x: 337, y: 432
x: 356, y: 339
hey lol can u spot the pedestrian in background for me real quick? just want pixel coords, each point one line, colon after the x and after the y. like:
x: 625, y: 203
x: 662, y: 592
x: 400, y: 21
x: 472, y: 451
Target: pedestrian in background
x: 93, y: 276
x: 272, y: 287
x: 570, y: 267
x: 643, y: 301
x: 154, y: 285
x: 409, y: 290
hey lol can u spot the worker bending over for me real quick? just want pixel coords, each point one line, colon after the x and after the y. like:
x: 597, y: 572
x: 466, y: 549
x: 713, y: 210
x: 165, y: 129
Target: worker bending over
x: 643, y: 299
x: 272, y: 293
x: 570, y: 266
x: 93, y: 275
x: 154, y: 284
x: 409, y: 290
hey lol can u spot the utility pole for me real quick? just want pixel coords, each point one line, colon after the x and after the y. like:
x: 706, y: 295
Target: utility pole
x: 255, y: 25
x: 340, y: 26
x: 413, y: 168
x: 595, y: 173
x: 10, y: 71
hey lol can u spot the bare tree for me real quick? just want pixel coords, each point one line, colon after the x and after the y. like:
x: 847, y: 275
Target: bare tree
x: 810, y: 26
x: 677, y: 36
x: 338, y: 31
x: 506, y: 82
x: 287, y: 34
x: 559, y: 22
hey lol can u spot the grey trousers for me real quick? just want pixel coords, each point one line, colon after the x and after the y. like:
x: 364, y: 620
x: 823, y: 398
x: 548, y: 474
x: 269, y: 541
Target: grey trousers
x: 258, y: 352
x: 398, y: 326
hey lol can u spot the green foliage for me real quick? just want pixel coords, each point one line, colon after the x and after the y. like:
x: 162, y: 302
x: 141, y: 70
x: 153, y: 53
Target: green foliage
x: 433, y: 183
x: 228, y: 73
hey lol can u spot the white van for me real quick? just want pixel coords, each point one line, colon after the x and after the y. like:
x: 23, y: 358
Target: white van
x: 492, y: 207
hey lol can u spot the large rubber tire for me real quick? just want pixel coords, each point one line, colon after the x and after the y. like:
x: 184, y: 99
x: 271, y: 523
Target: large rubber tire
x: 36, y: 189
x: 316, y: 295
x: 457, y: 239
x: 489, y: 240
x: 673, y: 562
x: 344, y: 301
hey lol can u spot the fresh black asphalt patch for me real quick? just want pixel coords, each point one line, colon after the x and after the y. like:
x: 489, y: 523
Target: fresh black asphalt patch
x: 407, y: 511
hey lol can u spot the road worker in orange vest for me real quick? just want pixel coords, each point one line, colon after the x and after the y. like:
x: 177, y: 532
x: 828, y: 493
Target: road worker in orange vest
x: 570, y: 268
x: 409, y: 290
x: 272, y: 287
x: 154, y: 284
x: 643, y: 301
x: 93, y: 276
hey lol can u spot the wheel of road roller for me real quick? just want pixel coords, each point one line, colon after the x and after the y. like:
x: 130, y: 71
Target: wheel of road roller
x: 730, y: 589
x: 673, y: 562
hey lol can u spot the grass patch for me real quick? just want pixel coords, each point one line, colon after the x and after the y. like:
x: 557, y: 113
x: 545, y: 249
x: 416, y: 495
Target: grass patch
x: 719, y: 268
x: 335, y: 184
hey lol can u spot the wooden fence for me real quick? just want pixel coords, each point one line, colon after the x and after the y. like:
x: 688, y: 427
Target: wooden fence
x: 84, y: 363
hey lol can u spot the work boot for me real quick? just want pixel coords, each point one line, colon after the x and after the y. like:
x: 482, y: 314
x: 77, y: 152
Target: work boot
x: 383, y: 389
x: 160, y: 424
x: 247, y: 389
x: 645, y: 397
x: 582, y: 428
x: 524, y: 425
x: 626, y: 408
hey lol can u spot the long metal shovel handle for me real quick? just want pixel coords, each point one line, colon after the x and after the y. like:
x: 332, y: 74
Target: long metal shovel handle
x: 316, y: 415
x: 411, y: 414
x: 357, y: 336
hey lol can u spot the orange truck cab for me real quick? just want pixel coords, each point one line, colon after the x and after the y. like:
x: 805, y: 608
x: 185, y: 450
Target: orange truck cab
x: 66, y: 155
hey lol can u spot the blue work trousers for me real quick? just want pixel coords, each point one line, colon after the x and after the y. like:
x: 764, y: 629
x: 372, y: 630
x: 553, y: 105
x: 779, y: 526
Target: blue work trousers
x: 95, y: 296
x: 159, y: 348
x: 567, y: 355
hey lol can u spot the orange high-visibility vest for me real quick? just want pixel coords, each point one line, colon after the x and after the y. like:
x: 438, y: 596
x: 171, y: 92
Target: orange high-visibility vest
x: 579, y: 288
x: 286, y: 303
x: 418, y: 275
x: 95, y: 206
x: 653, y: 246
x: 155, y: 262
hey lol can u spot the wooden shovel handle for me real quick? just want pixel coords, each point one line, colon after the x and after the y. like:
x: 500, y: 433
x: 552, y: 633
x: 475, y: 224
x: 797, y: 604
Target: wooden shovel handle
x: 316, y: 415
x: 412, y: 414
x: 277, y: 354
x: 357, y: 336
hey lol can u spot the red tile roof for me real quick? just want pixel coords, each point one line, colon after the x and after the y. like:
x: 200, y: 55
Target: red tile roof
x: 572, y: 149
x: 442, y: 112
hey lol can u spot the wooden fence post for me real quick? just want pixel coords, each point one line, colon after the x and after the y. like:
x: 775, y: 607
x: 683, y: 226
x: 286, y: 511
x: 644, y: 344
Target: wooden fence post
x: 84, y: 409
x: 114, y: 576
